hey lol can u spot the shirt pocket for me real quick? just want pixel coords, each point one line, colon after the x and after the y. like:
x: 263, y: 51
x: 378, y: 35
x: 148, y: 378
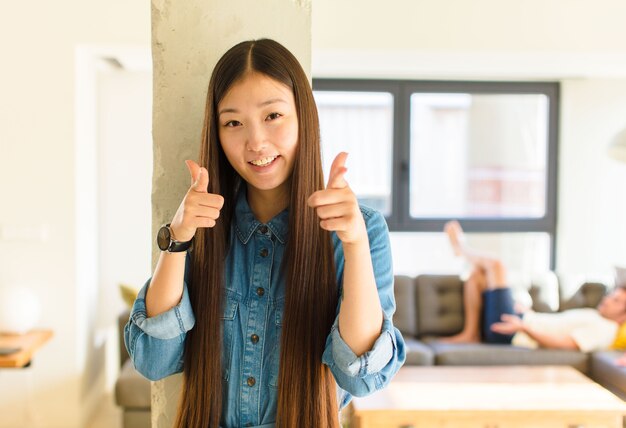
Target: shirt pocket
x: 228, y: 326
x: 275, y: 356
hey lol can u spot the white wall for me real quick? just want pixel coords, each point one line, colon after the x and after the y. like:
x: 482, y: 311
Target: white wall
x: 592, y: 195
x: 469, y: 26
x: 579, y: 42
x: 37, y: 184
x: 478, y: 39
x: 125, y: 171
x: 124, y: 112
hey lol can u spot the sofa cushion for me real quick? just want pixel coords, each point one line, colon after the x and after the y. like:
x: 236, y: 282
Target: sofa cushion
x: 418, y: 353
x: 132, y: 390
x: 587, y: 296
x: 605, y: 371
x: 404, y: 318
x: 440, y: 300
x: 480, y: 354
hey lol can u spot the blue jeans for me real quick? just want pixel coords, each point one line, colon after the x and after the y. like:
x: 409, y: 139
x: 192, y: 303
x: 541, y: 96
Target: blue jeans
x: 496, y: 302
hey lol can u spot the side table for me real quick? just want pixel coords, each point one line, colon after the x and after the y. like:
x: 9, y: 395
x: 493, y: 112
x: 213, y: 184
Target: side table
x: 28, y: 343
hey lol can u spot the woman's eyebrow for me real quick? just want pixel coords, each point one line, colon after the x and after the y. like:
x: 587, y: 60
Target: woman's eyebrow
x: 227, y: 110
x: 272, y: 101
x: 264, y: 103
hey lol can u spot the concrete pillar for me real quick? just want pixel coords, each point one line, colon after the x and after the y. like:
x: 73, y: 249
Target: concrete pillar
x: 188, y: 37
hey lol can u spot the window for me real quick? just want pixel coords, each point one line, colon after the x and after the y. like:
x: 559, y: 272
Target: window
x: 426, y: 152
x: 360, y: 123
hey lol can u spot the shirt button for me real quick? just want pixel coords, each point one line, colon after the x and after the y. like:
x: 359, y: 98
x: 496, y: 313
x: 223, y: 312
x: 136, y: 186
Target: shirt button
x: 260, y: 291
x: 264, y: 252
x: 263, y: 230
x: 251, y: 381
x: 254, y: 338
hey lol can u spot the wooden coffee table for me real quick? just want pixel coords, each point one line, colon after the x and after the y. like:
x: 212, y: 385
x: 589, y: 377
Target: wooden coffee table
x: 489, y: 397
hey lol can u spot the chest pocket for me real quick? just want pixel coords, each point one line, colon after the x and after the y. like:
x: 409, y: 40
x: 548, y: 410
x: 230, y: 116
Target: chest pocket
x: 228, y: 326
x: 275, y: 356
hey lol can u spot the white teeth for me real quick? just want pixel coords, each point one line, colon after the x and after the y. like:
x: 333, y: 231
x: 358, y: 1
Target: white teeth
x: 264, y: 161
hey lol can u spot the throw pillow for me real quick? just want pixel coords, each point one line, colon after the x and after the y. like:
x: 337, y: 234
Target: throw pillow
x: 620, y: 338
x: 129, y: 294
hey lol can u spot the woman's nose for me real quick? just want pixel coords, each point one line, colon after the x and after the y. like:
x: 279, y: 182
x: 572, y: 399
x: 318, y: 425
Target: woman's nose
x: 257, y: 140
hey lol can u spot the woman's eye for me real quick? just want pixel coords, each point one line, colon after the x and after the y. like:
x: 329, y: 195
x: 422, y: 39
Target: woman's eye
x: 232, y: 123
x: 273, y: 116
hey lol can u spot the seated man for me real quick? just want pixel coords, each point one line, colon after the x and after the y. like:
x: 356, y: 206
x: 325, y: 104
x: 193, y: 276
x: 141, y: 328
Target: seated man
x: 489, y: 300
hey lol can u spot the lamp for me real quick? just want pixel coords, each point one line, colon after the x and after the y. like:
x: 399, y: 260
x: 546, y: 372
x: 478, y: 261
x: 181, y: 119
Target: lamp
x: 19, y: 309
x: 617, y: 148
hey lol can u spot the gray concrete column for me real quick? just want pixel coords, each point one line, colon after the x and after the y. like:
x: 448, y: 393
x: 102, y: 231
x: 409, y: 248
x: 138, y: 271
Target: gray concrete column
x: 188, y: 37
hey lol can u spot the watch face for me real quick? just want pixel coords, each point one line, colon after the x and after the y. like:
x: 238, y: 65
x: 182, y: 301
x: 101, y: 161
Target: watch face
x: 163, y: 238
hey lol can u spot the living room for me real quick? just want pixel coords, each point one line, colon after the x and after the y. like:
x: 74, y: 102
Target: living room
x: 51, y: 134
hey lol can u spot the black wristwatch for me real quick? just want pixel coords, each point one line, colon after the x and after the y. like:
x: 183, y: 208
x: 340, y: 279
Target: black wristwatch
x: 166, y: 242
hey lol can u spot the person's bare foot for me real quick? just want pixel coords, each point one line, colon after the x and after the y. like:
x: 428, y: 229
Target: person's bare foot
x: 455, y: 235
x: 463, y: 337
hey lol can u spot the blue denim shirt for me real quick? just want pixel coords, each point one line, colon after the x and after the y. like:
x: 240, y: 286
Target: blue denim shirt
x: 254, y: 305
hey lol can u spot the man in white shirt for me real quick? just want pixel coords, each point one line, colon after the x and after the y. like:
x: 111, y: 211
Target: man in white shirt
x: 487, y: 296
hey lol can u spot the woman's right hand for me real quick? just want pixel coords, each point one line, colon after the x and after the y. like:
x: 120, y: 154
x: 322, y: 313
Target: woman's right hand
x: 199, y: 208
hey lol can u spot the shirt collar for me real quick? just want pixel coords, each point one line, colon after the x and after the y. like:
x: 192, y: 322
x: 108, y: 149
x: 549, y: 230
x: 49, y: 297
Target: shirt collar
x: 246, y: 224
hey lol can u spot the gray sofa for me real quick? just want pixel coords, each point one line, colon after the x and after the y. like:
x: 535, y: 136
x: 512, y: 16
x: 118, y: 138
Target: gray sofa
x: 429, y: 306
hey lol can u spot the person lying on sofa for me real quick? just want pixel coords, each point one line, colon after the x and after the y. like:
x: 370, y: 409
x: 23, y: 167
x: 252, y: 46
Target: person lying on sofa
x: 486, y: 296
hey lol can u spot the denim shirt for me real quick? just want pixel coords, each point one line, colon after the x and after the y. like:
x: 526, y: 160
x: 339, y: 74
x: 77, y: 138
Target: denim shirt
x: 252, y: 321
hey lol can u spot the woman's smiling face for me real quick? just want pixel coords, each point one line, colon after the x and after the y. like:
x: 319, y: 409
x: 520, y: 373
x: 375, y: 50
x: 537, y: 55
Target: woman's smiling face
x: 258, y: 131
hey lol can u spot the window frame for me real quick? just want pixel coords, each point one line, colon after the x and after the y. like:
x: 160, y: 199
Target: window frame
x: 400, y: 219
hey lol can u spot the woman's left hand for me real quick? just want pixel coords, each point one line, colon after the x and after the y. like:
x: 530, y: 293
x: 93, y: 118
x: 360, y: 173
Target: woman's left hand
x: 337, y: 206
